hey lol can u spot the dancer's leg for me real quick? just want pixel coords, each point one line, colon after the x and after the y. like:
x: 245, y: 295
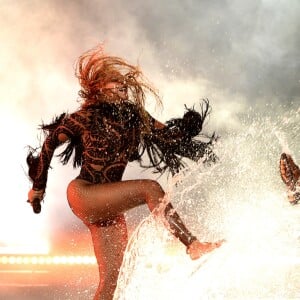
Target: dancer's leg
x: 109, y: 246
x: 96, y: 203
x: 99, y: 206
x: 99, y: 202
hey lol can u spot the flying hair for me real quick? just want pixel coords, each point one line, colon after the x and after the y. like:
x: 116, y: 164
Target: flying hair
x: 94, y: 69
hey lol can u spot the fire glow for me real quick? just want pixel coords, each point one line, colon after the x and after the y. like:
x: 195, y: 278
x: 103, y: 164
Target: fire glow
x: 47, y: 260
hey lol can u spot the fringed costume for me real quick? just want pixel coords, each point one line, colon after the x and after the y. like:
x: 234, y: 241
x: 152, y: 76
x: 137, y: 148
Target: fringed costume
x: 105, y: 137
x: 110, y: 129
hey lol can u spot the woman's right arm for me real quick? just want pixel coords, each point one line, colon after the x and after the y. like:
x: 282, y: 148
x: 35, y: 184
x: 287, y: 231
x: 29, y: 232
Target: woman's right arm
x: 51, y: 143
x: 57, y: 133
x: 41, y: 165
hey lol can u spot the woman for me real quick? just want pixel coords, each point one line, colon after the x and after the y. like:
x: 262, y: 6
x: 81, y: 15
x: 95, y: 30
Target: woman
x: 290, y: 174
x: 110, y: 129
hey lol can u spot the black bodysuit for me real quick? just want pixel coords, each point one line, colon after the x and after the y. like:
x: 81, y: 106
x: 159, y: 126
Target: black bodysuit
x: 107, y: 136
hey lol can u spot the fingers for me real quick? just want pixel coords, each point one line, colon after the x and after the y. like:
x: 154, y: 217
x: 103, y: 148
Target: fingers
x: 293, y: 197
x: 285, y: 170
x: 289, y: 171
x: 290, y: 174
x: 35, y: 194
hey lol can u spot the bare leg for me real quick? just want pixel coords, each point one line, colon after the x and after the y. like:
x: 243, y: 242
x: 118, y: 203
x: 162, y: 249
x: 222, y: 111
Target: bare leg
x: 98, y: 202
x: 100, y: 206
x: 101, y: 202
x: 109, y: 246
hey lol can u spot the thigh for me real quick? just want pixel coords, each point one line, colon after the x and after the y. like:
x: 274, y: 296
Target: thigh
x: 96, y: 202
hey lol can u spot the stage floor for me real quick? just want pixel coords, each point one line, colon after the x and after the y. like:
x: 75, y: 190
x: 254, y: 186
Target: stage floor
x: 48, y: 282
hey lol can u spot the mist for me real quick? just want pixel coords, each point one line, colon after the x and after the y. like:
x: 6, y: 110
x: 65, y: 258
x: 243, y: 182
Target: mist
x: 242, y: 56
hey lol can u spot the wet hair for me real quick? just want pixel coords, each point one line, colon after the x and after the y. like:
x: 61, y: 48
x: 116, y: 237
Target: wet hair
x: 95, y: 69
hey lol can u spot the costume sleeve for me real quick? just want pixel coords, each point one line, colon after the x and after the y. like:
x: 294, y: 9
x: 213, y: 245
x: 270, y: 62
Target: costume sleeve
x: 38, y: 165
x: 179, y: 138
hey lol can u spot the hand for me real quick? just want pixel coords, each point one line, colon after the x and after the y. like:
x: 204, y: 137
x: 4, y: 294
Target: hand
x: 289, y: 171
x: 197, y: 249
x: 35, y: 194
x: 34, y: 198
x: 293, y: 197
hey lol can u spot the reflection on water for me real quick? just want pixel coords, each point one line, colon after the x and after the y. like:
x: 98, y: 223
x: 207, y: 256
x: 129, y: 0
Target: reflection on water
x: 240, y: 199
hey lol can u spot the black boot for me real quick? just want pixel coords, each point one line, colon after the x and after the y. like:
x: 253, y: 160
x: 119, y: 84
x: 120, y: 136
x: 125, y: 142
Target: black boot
x: 177, y: 226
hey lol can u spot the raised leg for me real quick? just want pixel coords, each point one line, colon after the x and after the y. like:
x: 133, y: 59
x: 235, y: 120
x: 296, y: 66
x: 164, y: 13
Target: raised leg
x: 100, y: 202
x: 101, y: 208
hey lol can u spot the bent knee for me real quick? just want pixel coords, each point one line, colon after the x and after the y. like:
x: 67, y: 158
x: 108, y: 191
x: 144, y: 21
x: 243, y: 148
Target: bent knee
x: 152, y: 186
x: 153, y: 193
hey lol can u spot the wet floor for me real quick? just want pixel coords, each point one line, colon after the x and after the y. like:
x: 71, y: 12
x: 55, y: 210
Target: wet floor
x: 47, y: 282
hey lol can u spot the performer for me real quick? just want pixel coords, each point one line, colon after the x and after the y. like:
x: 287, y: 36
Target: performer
x: 110, y: 129
x: 290, y: 174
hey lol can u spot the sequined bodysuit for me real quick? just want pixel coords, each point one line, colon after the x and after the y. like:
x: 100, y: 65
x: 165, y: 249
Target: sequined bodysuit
x: 108, y: 136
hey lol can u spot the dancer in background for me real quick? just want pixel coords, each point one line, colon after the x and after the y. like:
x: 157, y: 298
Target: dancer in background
x: 290, y: 174
x: 110, y: 129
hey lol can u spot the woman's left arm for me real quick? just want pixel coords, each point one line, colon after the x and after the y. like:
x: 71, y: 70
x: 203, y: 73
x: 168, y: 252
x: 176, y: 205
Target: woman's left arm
x: 168, y: 143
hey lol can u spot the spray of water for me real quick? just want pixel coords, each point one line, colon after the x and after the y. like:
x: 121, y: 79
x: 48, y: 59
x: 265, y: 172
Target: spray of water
x: 240, y: 199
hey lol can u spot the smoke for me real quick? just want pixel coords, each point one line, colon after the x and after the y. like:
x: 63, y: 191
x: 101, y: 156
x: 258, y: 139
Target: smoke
x: 240, y: 199
x: 247, y: 47
x: 237, y: 54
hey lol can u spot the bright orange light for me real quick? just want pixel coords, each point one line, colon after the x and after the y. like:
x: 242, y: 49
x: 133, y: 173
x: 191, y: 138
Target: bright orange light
x: 49, y: 260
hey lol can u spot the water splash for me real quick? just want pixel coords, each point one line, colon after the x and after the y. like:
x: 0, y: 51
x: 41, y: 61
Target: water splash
x: 240, y: 199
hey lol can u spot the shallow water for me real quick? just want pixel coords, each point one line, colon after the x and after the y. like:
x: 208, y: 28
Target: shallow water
x: 240, y: 199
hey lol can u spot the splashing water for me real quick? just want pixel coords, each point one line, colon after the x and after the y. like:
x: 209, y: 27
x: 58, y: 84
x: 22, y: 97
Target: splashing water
x: 240, y: 199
